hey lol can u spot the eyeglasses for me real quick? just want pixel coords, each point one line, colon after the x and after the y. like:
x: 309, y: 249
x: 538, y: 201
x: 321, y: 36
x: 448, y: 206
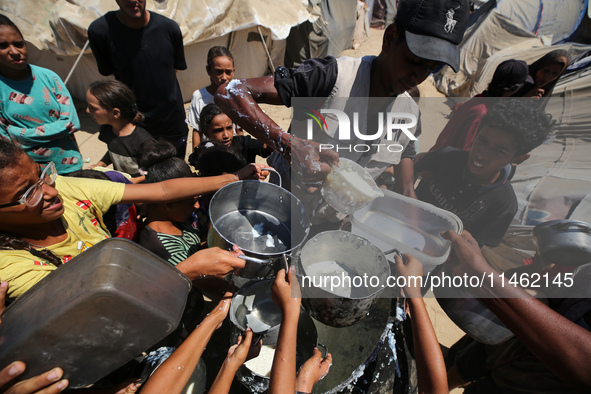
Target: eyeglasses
x: 32, y: 197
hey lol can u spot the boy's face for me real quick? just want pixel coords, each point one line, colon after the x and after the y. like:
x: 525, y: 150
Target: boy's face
x: 492, y: 150
x: 221, y: 130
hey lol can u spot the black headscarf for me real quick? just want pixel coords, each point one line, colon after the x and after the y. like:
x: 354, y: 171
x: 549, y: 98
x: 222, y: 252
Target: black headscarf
x: 554, y: 57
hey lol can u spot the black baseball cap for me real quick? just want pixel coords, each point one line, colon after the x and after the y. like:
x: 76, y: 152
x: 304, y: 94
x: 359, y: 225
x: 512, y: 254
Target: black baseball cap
x: 512, y: 72
x: 434, y: 28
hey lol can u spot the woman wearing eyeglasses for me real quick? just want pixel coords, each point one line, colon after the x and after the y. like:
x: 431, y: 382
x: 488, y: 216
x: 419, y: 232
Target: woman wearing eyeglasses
x: 46, y: 219
x: 36, y: 109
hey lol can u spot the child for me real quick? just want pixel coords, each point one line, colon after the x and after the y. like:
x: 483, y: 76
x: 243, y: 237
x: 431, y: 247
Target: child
x: 475, y: 184
x: 46, y: 220
x: 112, y: 103
x: 166, y: 230
x: 220, y: 68
x: 545, y: 73
x: 218, y: 127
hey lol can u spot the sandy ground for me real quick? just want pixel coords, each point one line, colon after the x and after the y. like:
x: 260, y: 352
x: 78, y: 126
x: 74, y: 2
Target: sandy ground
x: 447, y: 332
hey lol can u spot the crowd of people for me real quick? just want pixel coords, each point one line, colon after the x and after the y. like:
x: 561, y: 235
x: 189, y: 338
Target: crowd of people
x: 51, y: 210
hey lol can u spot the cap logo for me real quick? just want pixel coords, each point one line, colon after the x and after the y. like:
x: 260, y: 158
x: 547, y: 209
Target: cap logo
x: 451, y: 22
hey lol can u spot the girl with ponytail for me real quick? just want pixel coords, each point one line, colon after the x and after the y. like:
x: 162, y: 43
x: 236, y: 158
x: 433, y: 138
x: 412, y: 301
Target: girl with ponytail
x: 111, y: 103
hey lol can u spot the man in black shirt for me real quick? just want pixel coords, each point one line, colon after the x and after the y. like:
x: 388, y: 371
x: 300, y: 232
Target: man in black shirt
x: 144, y: 49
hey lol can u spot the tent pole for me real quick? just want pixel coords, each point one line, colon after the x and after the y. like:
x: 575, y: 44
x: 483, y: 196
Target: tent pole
x: 266, y: 49
x: 76, y: 62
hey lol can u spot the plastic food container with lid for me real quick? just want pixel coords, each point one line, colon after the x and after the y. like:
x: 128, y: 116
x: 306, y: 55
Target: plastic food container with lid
x: 95, y: 313
x: 409, y: 225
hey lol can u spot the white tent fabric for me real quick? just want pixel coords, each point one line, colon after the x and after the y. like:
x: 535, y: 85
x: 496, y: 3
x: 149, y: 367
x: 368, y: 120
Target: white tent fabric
x: 528, y: 51
x: 514, y: 26
x: 577, y: 83
x: 60, y: 25
x: 555, y: 18
x: 57, y: 31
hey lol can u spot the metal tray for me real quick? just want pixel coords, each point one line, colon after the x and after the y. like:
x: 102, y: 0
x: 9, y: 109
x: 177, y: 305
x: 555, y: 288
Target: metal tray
x: 95, y: 313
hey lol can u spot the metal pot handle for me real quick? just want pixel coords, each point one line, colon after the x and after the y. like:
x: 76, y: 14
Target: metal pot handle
x: 323, y: 347
x: 570, y: 225
x: 285, y: 263
x: 276, y: 172
x: 394, y: 250
x: 254, y: 259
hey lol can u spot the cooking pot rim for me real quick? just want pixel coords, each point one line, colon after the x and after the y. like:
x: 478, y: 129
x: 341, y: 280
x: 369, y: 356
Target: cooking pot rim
x: 551, y: 223
x: 252, y: 252
x: 374, y: 294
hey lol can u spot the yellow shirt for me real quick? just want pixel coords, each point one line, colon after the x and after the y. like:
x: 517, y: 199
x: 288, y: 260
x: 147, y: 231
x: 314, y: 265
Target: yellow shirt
x: 85, y: 201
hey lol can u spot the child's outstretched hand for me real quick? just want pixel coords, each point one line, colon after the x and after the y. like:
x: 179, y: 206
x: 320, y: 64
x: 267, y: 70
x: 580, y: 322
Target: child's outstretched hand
x: 285, y: 292
x: 313, y: 370
x: 412, y: 270
x: 253, y: 171
x: 242, y: 351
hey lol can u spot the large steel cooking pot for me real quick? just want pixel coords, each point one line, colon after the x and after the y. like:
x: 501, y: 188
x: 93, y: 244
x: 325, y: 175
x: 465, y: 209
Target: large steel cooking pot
x: 264, y: 220
x: 341, y: 253
x: 564, y: 242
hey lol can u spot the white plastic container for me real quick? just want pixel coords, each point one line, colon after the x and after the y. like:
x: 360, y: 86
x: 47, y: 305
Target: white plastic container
x: 349, y: 187
x: 409, y: 225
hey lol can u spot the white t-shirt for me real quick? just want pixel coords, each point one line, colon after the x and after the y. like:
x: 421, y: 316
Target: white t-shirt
x: 200, y: 99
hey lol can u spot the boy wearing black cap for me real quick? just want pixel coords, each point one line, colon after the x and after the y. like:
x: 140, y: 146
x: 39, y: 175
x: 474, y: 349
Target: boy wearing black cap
x: 425, y: 35
x: 463, y: 126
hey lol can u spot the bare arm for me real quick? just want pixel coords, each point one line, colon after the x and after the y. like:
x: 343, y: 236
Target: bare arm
x: 239, y: 99
x: 431, y: 371
x: 211, y: 262
x: 283, y: 373
x: 404, y: 175
x: 178, y: 189
x: 563, y: 346
x: 174, y: 373
x: 237, y: 355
